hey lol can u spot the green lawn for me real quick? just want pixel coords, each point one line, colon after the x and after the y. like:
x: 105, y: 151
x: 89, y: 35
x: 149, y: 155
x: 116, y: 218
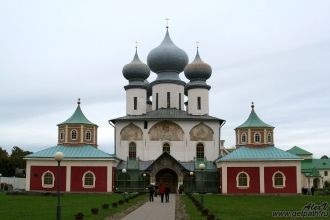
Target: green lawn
x: 251, y: 207
x: 36, y: 207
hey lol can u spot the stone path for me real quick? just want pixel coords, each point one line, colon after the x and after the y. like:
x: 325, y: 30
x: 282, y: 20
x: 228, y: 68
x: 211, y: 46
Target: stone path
x: 154, y: 210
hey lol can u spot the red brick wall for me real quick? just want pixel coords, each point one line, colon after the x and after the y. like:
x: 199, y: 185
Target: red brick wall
x: 77, y: 173
x: 253, y: 172
x: 290, y: 183
x: 36, y: 177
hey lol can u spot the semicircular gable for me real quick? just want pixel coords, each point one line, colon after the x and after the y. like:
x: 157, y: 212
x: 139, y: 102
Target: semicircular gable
x: 201, y: 132
x: 166, y: 130
x: 131, y: 132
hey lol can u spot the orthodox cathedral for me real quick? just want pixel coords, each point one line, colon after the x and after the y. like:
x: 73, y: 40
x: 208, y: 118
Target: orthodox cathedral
x: 166, y: 137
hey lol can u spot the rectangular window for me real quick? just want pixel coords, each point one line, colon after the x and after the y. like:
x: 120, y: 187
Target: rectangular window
x: 135, y: 103
x: 145, y: 124
x: 199, y: 103
x: 168, y: 100
x: 179, y: 101
x: 156, y: 101
x: 325, y: 173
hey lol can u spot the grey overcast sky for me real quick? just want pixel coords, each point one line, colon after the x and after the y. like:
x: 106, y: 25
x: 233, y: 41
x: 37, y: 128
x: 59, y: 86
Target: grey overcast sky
x: 275, y: 53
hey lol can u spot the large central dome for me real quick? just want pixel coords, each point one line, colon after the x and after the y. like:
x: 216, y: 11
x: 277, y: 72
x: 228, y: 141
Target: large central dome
x: 167, y: 57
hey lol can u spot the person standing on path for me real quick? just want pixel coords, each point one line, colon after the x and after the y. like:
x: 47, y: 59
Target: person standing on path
x: 167, y: 193
x: 151, y: 192
x: 161, y: 192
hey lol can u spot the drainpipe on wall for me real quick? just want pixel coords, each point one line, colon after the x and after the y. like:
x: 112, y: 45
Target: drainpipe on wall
x: 224, y: 122
x: 114, y: 131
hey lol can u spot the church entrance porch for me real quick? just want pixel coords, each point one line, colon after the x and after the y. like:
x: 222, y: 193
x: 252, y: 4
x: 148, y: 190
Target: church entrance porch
x: 167, y: 177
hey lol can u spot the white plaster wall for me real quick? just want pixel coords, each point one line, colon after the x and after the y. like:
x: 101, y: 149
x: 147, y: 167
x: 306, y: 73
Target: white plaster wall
x: 261, y: 165
x: 141, y: 95
x: 192, y: 101
x: 68, y: 164
x: 162, y: 90
x: 181, y: 150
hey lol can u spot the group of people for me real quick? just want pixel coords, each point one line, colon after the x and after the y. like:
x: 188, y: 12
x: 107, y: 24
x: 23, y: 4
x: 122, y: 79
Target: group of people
x: 161, y: 190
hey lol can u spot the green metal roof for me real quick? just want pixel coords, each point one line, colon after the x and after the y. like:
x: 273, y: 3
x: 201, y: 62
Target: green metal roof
x: 298, y: 151
x: 254, y: 121
x: 312, y: 173
x: 78, y: 117
x: 76, y: 152
x: 167, y: 114
x: 319, y: 164
x: 245, y: 153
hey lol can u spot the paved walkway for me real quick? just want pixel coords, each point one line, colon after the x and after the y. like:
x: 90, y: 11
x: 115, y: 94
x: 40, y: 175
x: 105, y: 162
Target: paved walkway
x: 154, y: 210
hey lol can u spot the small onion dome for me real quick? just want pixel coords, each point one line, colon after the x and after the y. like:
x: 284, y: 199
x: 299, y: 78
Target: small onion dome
x: 136, y: 70
x: 197, y: 69
x: 167, y: 57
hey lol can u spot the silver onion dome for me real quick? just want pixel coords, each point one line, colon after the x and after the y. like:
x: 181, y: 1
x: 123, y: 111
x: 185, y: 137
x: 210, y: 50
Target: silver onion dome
x: 167, y: 57
x: 197, y: 69
x: 136, y: 70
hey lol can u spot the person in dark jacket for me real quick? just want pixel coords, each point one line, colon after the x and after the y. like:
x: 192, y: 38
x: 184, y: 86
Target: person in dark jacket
x: 167, y: 193
x: 151, y: 192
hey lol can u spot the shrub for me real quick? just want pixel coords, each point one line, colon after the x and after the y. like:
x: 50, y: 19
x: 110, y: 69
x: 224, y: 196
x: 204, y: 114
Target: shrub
x: 105, y: 206
x: 126, y: 200
x: 210, y: 217
x: 114, y: 204
x: 79, y: 216
x: 205, y: 212
x: 95, y: 211
x: 120, y: 202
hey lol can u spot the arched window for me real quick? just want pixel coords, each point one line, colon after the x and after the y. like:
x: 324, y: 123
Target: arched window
x: 269, y: 138
x: 166, y: 148
x: 278, y: 180
x: 62, y: 135
x: 89, y: 179
x: 243, y: 138
x: 74, y: 134
x: 257, y: 137
x: 132, y: 150
x: 242, y: 180
x: 47, y: 179
x: 200, y: 151
x: 88, y: 135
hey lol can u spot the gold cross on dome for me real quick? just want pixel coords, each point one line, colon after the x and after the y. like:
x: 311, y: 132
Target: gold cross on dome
x: 197, y: 44
x: 136, y: 44
x: 167, y: 19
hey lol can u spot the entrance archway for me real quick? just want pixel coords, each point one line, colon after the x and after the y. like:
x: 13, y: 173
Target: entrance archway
x: 167, y: 176
x: 316, y: 183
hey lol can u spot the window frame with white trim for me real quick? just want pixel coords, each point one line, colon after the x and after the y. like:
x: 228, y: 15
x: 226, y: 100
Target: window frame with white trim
x: 62, y: 135
x: 90, y: 135
x: 47, y: 185
x: 88, y: 186
x: 283, y: 177
x: 255, y: 137
x: 76, y: 134
x: 238, y: 183
x: 245, y: 138
x: 269, y: 137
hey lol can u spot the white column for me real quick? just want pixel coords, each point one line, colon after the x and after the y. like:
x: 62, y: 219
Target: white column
x: 224, y: 179
x: 298, y: 174
x: 28, y: 176
x: 265, y: 136
x: 109, y: 178
x: 249, y: 136
x: 94, y: 135
x: 262, y: 179
x: 68, y: 178
x: 81, y: 133
x: 66, y: 134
